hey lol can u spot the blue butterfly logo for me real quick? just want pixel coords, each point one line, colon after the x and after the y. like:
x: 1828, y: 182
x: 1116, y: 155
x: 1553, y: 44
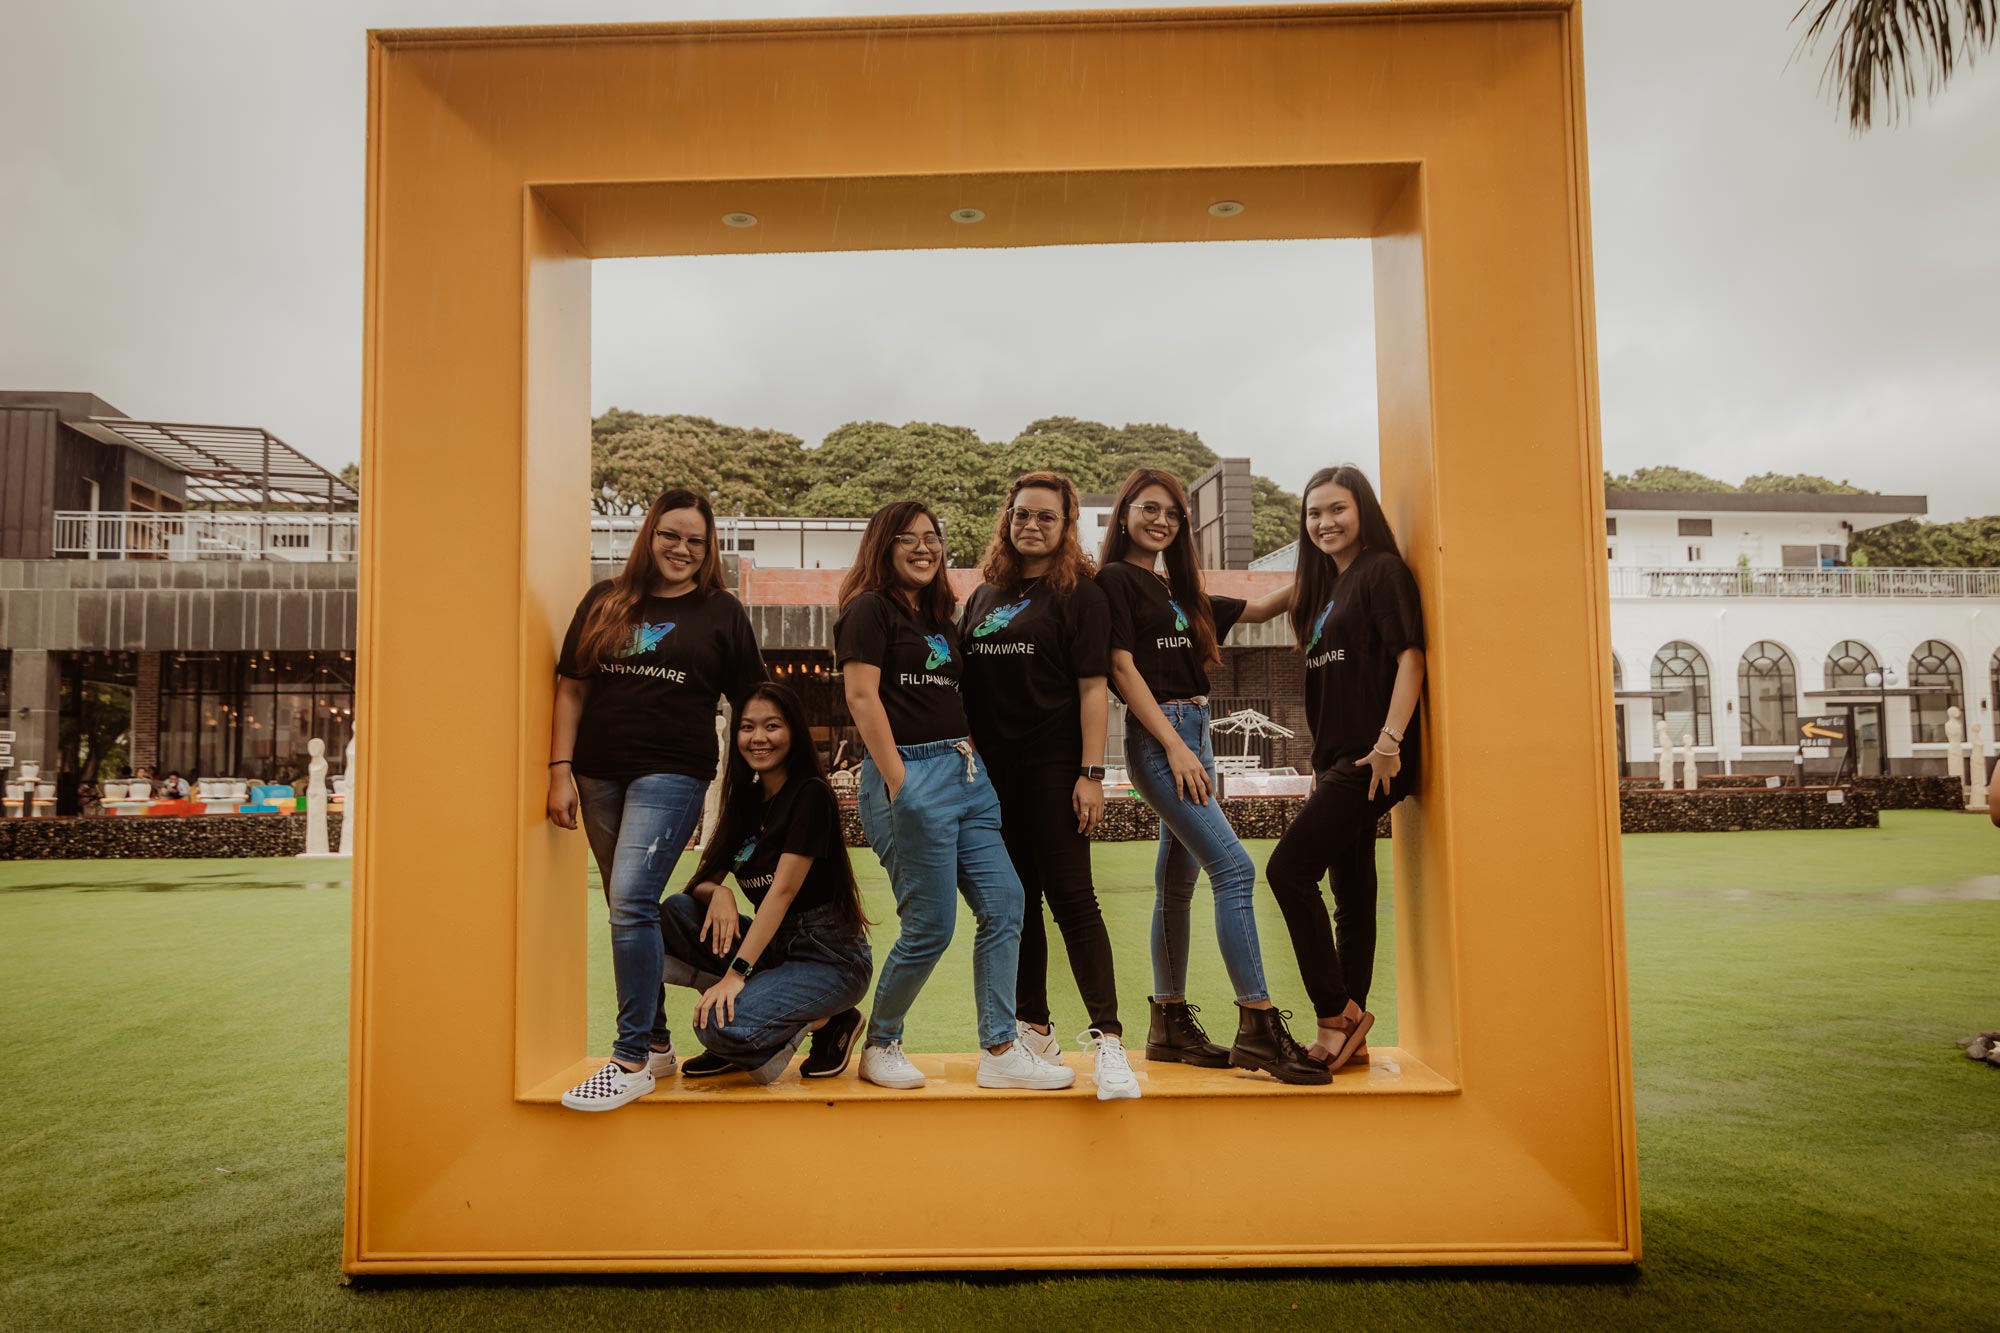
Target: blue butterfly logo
x: 743, y: 852
x: 998, y: 618
x: 645, y: 638
x: 1319, y: 625
x: 940, y: 651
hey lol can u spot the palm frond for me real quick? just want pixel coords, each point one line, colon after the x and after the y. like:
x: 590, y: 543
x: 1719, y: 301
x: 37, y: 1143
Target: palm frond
x: 1881, y: 46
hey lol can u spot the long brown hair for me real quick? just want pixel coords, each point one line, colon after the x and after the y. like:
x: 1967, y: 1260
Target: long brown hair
x: 740, y: 807
x: 1183, y: 565
x: 1001, y: 566
x: 611, y: 620
x: 873, y: 570
x: 1314, y: 572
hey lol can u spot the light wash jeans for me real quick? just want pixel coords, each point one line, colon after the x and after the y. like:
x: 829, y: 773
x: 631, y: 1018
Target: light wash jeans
x: 939, y: 838
x: 637, y: 830
x: 816, y: 966
x: 1194, y: 838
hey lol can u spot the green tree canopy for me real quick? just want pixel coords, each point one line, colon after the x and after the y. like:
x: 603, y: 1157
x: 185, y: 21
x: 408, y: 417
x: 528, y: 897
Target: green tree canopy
x: 1799, y: 483
x: 863, y: 465
x: 1677, y: 480
x: 1972, y: 543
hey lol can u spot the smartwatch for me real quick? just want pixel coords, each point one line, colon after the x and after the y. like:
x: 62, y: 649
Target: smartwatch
x: 1095, y: 772
x: 742, y: 966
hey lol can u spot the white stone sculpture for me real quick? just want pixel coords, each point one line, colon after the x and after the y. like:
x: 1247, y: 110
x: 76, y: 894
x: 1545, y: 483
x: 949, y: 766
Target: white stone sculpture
x: 316, y: 821
x: 1975, y: 787
x: 353, y: 804
x: 1688, y: 778
x: 1954, y: 745
x: 1663, y: 753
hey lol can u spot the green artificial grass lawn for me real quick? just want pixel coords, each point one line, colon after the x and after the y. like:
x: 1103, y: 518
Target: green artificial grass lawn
x: 1814, y: 1148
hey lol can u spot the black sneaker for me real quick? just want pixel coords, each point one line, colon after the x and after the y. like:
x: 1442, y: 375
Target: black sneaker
x: 832, y: 1046
x: 706, y: 1065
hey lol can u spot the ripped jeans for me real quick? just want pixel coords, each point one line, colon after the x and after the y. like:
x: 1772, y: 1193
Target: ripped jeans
x: 637, y: 831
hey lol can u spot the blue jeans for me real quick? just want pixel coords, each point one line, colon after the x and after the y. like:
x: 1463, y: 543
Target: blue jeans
x: 1195, y: 838
x: 939, y: 838
x: 816, y: 966
x: 637, y: 830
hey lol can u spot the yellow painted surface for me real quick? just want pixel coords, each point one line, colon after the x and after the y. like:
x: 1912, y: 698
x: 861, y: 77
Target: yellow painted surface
x: 501, y: 163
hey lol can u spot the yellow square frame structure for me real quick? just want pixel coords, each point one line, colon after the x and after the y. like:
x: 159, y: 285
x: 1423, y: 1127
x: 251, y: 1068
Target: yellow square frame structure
x: 502, y: 161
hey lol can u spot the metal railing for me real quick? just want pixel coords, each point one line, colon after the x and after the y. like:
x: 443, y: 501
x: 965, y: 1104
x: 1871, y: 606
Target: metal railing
x: 207, y: 535
x: 250, y: 535
x: 1635, y: 582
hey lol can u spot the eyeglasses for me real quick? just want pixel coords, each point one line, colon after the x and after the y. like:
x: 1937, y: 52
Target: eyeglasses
x: 910, y: 541
x: 674, y: 541
x: 1041, y: 518
x: 1152, y: 511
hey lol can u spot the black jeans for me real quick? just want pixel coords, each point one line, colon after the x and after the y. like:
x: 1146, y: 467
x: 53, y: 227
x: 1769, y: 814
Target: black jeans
x: 1038, y: 825
x: 1333, y: 836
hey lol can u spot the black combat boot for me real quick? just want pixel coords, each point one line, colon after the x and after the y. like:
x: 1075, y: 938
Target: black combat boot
x: 1176, y: 1035
x: 1264, y: 1042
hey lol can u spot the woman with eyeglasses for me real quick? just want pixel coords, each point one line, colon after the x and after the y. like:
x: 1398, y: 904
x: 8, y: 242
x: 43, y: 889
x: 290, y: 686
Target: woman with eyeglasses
x: 1166, y: 633
x: 1358, y: 620
x: 1036, y: 658
x: 927, y: 804
x: 632, y: 749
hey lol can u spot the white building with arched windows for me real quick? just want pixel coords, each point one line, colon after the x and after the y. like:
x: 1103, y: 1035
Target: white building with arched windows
x: 1736, y: 618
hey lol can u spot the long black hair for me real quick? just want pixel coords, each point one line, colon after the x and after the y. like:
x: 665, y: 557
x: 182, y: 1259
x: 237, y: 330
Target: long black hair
x: 740, y: 805
x: 1315, y: 572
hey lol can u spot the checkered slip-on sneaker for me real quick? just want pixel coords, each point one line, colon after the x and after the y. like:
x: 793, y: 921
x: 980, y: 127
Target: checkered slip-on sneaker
x: 609, y: 1088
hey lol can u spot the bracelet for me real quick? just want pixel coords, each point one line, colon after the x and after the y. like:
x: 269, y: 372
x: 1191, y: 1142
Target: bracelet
x: 1386, y: 754
x: 554, y: 762
x: 1393, y: 734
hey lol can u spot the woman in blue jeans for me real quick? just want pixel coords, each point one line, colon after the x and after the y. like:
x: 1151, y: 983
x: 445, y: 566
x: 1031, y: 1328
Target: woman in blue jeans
x: 632, y: 749
x: 800, y: 964
x: 927, y: 805
x: 1165, y: 635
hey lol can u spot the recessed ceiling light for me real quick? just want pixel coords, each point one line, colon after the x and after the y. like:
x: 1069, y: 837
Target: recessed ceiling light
x: 1224, y: 208
x: 967, y: 215
x: 739, y: 219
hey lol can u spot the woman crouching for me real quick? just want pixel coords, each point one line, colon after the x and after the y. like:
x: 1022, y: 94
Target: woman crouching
x: 798, y: 964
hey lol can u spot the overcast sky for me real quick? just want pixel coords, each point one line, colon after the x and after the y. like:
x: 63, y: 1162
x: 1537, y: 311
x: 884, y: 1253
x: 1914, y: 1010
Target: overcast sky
x: 181, y: 193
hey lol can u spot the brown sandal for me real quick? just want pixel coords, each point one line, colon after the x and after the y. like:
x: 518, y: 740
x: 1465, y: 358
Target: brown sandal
x: 1354, y: 1045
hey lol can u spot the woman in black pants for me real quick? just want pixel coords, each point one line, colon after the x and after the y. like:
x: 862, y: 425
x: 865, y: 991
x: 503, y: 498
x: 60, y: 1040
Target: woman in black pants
x: 1360, y: 625
x: 1037, y: 653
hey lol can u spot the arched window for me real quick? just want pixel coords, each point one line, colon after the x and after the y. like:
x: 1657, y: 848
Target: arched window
x: 1848, y: 665
x: 1934, y: 663
x: 1768, y: 694
x: 1681, y: 669
x: 1618, y: 671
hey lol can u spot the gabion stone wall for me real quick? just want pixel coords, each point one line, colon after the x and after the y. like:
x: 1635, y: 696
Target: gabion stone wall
x: 129, y: 836
x: 1722, y: 811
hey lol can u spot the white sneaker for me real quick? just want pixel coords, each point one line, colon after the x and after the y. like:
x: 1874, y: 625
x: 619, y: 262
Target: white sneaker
x: 888, y: 1067
x: 1019, y: 1067
x: 661, y: 1064
x: 1044, y: 1044
x: 609, y: 1088
x: 1110, y: 1069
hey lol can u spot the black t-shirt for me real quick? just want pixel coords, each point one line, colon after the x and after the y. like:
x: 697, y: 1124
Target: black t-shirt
x: 1350, y: 650
x: 921, y: 666
x: 1148, y: 623
x: 804, y: 819
x: 651, y: 707
x: 1024, y: 653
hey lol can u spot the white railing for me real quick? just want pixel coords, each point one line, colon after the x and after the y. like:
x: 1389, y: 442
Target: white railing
x: 229, y: 535
x: 1633, y: 582
x: 207, y: 535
